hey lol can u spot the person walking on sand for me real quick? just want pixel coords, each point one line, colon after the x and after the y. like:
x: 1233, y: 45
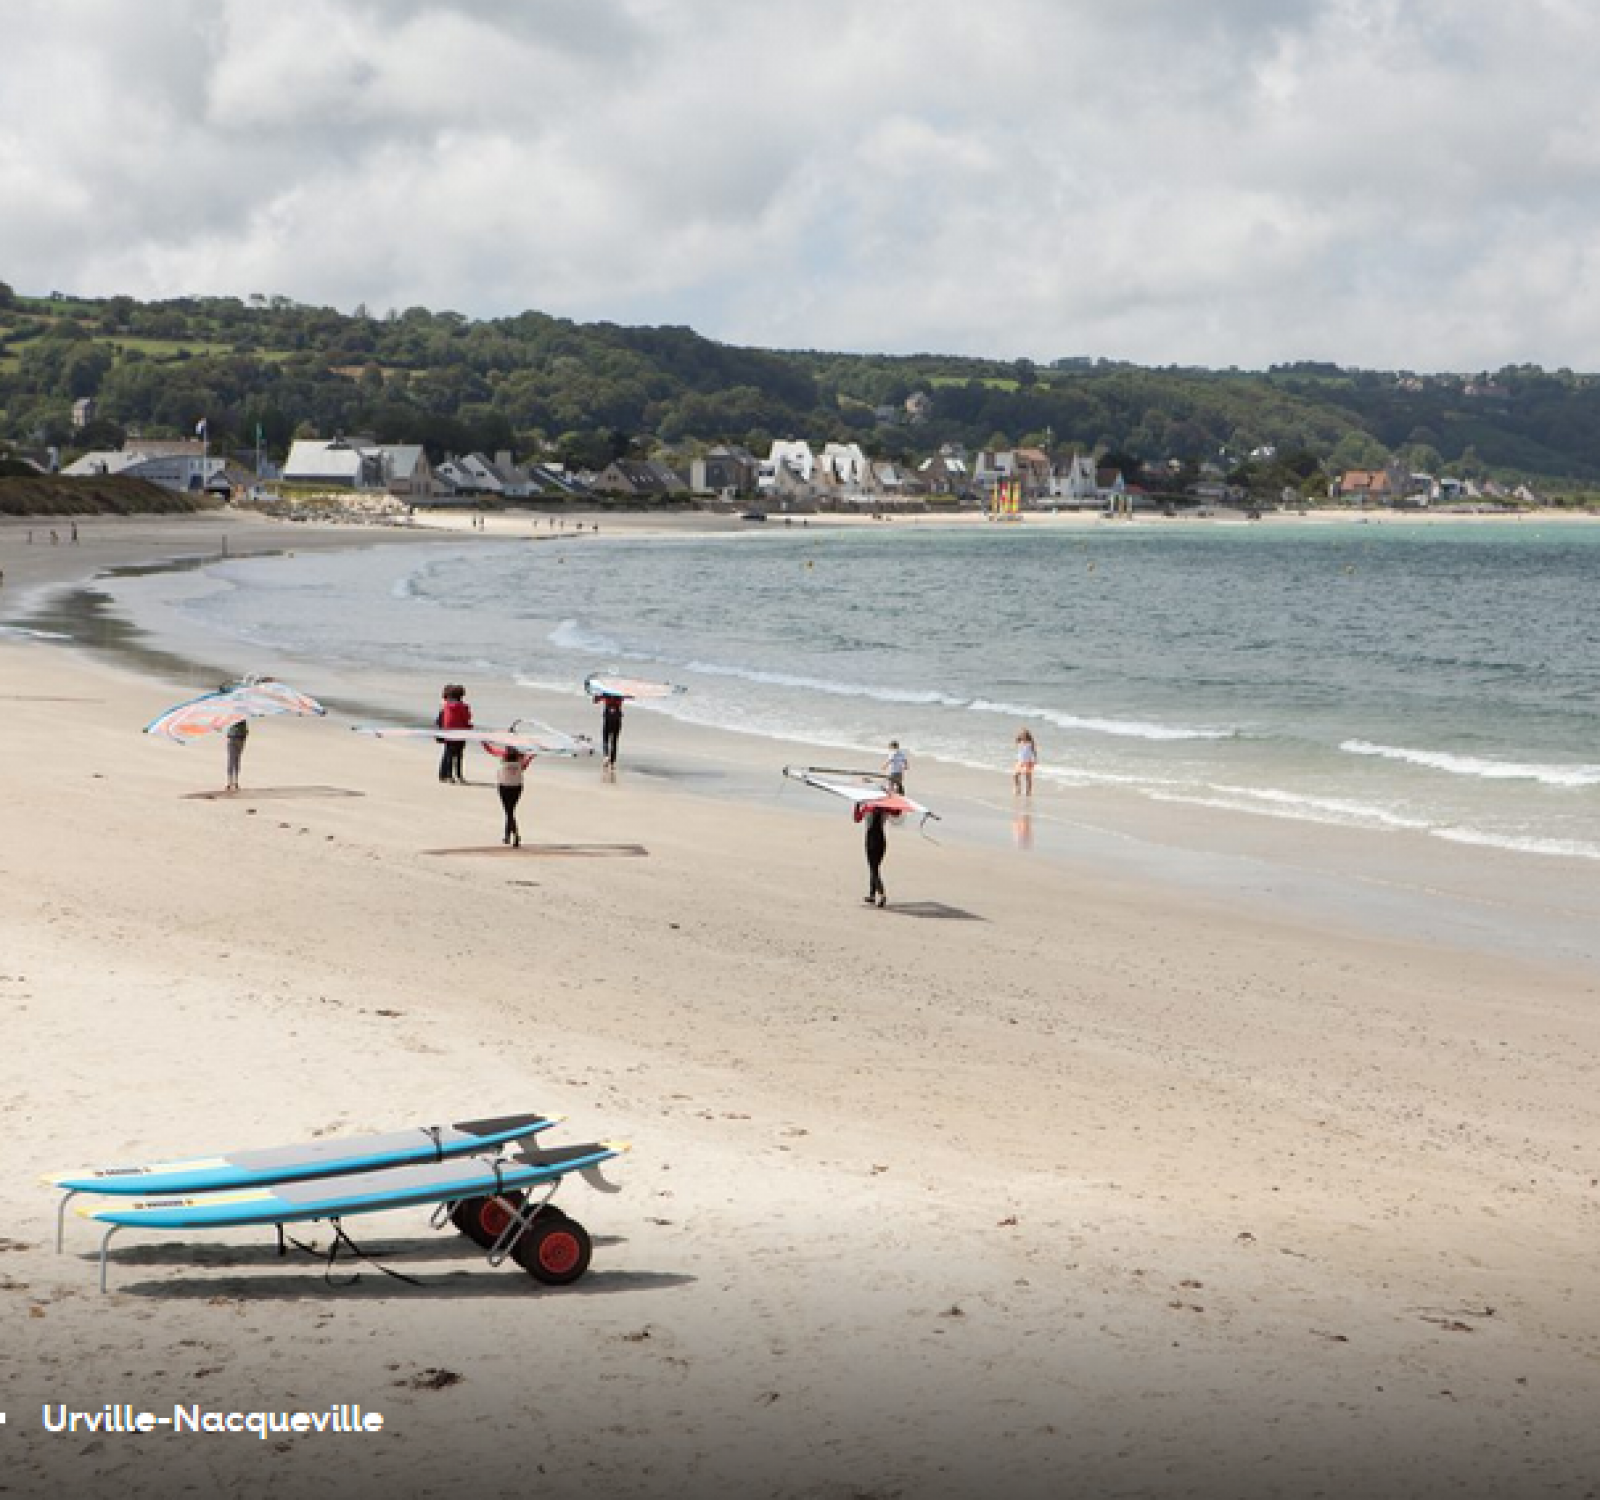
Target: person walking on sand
x: 896, y: 766
x: 454, y: 713
x: 1027, y: 759
x: 508, y: 777
x: 877, y: 842
x: 610, y: 727
x: 236, y: 736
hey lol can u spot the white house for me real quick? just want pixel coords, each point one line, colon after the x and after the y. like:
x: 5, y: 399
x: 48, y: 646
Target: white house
x: 789, y: 465
x: 1074, y: 483
x: 180, y: 465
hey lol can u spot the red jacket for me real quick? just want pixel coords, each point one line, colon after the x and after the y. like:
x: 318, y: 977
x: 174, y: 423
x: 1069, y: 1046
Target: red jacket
x: 455, y: 715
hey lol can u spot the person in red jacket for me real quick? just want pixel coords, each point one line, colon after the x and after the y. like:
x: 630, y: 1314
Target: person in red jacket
x: 454, y: 713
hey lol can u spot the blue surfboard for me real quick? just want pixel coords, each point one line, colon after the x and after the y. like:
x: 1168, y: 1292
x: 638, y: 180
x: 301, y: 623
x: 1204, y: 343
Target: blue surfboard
x: 310, y: 1159
x: 358, y: 1193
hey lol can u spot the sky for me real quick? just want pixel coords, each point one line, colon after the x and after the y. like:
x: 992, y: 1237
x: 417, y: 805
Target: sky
x: 1395, y: 184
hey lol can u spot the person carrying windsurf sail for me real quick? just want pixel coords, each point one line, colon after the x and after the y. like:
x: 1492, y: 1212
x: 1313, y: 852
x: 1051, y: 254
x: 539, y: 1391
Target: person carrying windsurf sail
x: 454, y: 713
x: 877, y: 842
x: 236, y: 736
x: 509, y: 779
x: 610, y: 726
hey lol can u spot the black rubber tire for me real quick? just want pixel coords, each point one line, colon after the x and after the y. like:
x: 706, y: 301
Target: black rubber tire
x: 555, y: 1250
x: 484, y: 1220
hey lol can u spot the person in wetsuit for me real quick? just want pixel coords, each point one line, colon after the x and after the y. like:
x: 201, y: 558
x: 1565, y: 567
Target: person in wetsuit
x: 877, y: 842
x: 610, y: 726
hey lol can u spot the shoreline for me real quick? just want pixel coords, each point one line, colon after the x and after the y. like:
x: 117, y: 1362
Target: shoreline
x: 1381, y: 881
x: 1048, y: 1171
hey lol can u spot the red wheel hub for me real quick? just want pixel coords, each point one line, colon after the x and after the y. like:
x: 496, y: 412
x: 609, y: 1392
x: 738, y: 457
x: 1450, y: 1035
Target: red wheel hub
x: 495, y: 1217
x: 558, y: 1252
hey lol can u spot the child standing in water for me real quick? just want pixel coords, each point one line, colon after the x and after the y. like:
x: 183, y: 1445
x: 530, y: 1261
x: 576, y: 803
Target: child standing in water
x: 1027, y: 759
x: 508, y: 777
x: 896, y: 766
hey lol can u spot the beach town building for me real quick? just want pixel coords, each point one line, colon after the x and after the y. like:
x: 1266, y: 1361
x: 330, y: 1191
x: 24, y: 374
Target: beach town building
x: 1371, y: 486
x: 639, y: 478
x: 790, y: 466
x: 475, y: 475
x: 1074, y: 483
x: 357, y: 463
x: 844, y: 465
x: 180, y: 464
x: 724, y: 470
x: 946, y: 473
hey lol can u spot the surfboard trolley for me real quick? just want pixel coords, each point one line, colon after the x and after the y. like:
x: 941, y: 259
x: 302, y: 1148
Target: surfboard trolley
x: 483, y: 1177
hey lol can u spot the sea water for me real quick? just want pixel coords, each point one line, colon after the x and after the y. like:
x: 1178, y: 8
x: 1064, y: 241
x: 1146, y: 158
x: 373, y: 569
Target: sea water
x: 1441, y: 678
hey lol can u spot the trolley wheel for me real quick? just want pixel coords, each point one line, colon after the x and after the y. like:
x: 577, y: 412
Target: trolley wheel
x: 555, y: 1251
x: 484, y: 1220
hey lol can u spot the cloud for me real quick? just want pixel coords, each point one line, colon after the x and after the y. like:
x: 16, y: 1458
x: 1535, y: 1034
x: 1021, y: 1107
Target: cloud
x: 1385, y: 183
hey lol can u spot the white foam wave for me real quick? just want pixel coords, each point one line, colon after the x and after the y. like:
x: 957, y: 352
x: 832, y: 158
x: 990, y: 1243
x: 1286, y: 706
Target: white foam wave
x: 23, y: 632
x: 570, y: 635
x: 1471, y: 765
x: 1332, y: 809
x: 1561, y: 848
x: 1122, y: 728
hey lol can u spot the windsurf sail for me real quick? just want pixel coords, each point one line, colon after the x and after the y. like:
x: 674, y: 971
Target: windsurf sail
x: 522, y: 734
x: 866, y: 790
x: 608, y: 685
x: 213, y: 713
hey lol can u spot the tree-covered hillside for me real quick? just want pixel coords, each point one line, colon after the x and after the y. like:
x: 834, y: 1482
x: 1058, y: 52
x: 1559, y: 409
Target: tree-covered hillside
x: 588, y: 392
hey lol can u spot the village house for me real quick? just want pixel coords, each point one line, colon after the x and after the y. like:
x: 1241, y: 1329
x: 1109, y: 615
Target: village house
x: 358, y: 463
x: 180, y: 464
x: 1073, y: 483
x: 946, y: 473
x: 723, y: 470
x: 639, y: 478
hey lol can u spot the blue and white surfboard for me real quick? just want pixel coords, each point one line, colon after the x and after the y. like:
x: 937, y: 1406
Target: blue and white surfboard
x: 311, y: 1159
x: 359, y: 1193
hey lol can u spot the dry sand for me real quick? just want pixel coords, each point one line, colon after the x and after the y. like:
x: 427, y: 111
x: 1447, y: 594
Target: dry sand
x: 1048, y: 1180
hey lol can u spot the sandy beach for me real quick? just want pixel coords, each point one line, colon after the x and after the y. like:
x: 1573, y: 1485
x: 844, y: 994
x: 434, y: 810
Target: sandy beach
x: 1272, y: 1176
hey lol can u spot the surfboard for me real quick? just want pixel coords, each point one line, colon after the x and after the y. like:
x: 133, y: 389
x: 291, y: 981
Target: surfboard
x: 357, y: 1193
x: 868, y: 793
x: 606, y: 685
x: 530, y: 740
x: 311, y: 1159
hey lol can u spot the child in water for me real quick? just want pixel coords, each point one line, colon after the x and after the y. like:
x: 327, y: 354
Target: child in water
x: 1027, y: 759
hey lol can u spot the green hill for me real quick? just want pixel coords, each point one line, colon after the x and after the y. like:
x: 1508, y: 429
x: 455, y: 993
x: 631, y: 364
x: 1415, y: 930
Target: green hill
x: 589, y: 392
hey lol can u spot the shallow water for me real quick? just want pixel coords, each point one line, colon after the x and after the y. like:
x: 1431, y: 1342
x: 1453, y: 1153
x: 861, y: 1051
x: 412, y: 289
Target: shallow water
x: 1441, y: 679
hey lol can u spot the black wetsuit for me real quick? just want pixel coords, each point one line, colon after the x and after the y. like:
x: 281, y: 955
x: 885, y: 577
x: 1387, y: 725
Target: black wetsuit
x: 610, y: 729
x: 877, y: 847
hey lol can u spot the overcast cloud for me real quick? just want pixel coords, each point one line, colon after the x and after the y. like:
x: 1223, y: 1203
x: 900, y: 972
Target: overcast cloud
x: 1393, y: 183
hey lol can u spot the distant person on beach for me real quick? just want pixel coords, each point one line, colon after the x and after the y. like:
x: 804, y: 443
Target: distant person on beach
x: 610, y: 726
x: 237, y: 735
x: 877, y: 846
x: 508, y: 777
x: 74, y: 533
x: 454, y: 713
x: 1027, y: 759
x: 895, y: 767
